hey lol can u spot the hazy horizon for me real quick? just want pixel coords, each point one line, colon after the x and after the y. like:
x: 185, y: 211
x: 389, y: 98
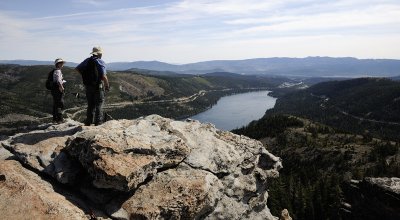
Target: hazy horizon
x: 132, y: 61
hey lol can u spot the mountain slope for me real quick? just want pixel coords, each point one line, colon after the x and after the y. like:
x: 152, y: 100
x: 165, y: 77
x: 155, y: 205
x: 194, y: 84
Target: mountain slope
x: 396, y: 78
x: 149, y: 65
x: 318, y: 160
x: 365, y: 105
x: 358, y: 138
x: 25, y: 100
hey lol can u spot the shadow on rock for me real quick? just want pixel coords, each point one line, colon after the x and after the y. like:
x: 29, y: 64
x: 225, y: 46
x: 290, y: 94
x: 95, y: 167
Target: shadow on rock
x: 34, y: 138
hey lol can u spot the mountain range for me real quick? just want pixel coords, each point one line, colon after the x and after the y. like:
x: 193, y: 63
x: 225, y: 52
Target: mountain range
x: 303, y: 67
x: 34, y: 62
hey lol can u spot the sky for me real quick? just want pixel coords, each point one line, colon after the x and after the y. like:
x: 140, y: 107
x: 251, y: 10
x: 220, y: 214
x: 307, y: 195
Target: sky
x: 189, y: 31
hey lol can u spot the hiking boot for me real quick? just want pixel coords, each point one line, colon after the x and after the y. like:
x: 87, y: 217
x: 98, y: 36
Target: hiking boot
x: 87, y: 122
x: 60, y: 121
x: 98, y: 123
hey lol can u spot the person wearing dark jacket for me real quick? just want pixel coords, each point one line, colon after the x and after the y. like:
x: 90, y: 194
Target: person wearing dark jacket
x: 94, y: 76
x: 58, y: 91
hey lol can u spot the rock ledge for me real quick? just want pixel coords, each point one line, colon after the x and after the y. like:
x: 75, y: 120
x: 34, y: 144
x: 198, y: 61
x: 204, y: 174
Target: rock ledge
x: 148, y: 168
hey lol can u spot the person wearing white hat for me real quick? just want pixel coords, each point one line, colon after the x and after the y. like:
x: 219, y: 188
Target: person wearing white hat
x: 58, y: 91
x: 94, y: 77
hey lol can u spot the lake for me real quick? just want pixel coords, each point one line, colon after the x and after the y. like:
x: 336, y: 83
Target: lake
x: 238, y: 110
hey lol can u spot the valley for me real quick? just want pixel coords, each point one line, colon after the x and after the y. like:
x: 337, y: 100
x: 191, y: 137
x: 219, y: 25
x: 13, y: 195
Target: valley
x: 132, y: 94
x: 329, y: 132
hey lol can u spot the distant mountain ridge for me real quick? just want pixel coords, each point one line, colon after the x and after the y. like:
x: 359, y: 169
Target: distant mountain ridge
x: 34, y: 62
x: 397, y: 78
x: 307, y: 67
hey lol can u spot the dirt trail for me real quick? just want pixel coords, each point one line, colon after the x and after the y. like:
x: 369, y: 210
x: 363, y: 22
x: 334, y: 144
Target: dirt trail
x: 126, y: 103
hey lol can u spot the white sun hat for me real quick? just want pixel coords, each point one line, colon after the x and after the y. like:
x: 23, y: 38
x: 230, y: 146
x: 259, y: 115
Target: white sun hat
x: 59, y: 60
x: 97, y: 50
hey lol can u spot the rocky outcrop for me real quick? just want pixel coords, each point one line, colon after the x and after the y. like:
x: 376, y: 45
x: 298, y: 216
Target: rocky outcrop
x: 391, y: 185
x: 372, y: 198
x: 24, y: 195
x: 181, y: 193
x: 121, y: 155
x: 41, y: 149
x: 148, y: 168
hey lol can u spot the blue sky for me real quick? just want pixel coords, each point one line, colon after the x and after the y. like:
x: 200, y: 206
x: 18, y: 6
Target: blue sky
x: 197, y: 30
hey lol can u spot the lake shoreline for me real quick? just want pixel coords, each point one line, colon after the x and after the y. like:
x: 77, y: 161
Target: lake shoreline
x: 237, y: 110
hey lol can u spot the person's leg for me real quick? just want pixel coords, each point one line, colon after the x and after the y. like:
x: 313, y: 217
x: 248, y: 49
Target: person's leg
x: 54, y: 106
x: 99, y: 107
x: 90, y: 105
x: 60, y: 106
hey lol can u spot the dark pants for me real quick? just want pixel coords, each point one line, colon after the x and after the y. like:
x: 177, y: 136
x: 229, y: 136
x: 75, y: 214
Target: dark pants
x: 58, y: 104
x: 95, y: 100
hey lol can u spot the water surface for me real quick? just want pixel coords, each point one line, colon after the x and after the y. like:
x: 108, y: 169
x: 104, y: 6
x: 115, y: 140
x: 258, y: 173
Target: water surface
x: 238, y: 110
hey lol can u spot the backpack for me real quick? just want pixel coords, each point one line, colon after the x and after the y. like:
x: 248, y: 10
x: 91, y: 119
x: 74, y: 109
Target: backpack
x: 49, y: 80
x: 90, y: 76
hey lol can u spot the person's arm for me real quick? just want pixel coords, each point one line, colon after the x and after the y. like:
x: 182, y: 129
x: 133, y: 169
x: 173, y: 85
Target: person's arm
x: 61, y: 88
x: 102, y: 70
x: 106, y: 83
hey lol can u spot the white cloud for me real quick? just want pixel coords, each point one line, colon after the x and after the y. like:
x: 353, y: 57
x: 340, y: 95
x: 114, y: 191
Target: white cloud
x: 13, y: 28
x: 96, y: 3
x: 220, y: 29
x: 303, y: 46
x: 330, y: 21
x: 227, y: 7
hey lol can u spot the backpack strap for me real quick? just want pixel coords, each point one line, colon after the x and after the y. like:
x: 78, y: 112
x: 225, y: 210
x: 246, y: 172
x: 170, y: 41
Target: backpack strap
x: 96, y: 70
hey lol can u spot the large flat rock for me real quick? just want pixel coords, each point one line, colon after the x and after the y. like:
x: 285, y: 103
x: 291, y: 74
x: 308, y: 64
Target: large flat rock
x: 24, y: 195
x: 122, y: 154
x: 41, y: 149
x: 181, y: 193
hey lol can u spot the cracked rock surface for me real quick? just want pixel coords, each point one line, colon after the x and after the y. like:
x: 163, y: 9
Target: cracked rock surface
x: 24, y: 195
x: 149, y: 168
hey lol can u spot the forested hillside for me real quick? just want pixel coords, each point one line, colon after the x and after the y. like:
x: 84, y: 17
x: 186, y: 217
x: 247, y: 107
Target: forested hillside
x: 317, y: 161
x: 365, y: 105
x: 327, y: 135
x: 25, y: 100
